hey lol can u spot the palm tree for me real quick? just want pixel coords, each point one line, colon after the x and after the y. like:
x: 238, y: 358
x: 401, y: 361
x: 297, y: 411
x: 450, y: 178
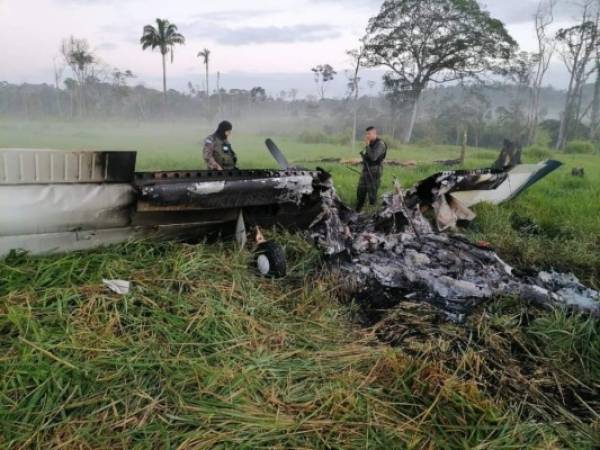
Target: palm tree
x: 205, y: 55
x: 165, y: 37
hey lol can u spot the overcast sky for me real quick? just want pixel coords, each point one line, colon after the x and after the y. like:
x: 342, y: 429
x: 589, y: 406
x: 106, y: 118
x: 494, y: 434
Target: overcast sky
x: 272, y: 43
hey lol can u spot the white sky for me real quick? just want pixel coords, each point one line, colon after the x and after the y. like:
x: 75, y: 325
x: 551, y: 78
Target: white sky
x: 272, y: 43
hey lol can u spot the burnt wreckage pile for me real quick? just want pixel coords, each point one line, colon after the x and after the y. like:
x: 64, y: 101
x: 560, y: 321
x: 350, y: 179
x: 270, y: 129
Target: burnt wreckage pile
x: 396, y: 255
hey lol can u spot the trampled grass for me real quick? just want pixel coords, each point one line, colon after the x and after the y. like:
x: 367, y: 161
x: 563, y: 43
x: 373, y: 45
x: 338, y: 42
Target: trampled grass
x: 203, y: 353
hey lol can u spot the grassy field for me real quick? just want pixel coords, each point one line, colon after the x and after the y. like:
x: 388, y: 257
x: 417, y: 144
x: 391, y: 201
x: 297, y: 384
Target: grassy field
x: 204, y: 354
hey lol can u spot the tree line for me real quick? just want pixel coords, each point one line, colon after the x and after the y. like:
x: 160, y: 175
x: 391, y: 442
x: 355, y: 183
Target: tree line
x: 488, y: 113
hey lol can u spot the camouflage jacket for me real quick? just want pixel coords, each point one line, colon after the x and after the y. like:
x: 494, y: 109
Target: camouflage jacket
x: 218, y: 154
x: 375, y: 152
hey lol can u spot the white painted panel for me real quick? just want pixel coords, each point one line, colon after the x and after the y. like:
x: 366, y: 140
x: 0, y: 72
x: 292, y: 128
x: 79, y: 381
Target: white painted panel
x: 50, y: 208
x: 31, y: 166
x: 517, y: 178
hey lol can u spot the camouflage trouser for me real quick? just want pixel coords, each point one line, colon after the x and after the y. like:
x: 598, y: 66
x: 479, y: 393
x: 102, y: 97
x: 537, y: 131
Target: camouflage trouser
x: 368, y: 186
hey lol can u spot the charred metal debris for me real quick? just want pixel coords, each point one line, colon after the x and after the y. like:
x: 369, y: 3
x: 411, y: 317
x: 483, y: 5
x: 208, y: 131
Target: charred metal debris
x: 400, y: 253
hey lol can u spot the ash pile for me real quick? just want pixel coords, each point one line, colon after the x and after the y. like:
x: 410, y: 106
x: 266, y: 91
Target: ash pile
x: 409, y: 251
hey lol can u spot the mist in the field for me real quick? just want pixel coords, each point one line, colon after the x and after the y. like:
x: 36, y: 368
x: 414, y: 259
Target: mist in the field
x: 490, y: 113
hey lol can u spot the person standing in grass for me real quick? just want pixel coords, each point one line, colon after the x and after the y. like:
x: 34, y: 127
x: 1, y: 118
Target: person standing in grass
x: 373, y: 156
x: 218, y: 153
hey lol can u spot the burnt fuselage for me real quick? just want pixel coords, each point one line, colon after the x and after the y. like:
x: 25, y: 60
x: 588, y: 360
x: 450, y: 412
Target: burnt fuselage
x: 61, y: 201
x: 215, y: 198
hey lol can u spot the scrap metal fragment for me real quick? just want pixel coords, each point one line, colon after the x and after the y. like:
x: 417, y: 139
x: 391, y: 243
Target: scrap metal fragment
x: 120, y: 287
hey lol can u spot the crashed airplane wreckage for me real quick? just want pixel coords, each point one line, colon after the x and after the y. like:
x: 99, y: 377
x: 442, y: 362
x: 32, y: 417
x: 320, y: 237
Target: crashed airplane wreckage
x: 397, y: 254
x: 55, y: 201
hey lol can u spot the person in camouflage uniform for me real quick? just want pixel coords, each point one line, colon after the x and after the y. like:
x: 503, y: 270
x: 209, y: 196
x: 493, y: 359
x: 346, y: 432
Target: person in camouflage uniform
x: 218, y: 153
x: 373, y: 156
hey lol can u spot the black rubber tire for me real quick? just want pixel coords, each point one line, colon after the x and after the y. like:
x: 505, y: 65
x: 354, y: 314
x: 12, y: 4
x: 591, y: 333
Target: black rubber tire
x: 270, y: 253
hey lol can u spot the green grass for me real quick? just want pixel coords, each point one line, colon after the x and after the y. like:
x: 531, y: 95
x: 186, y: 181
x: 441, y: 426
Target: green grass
x: 203, y: 353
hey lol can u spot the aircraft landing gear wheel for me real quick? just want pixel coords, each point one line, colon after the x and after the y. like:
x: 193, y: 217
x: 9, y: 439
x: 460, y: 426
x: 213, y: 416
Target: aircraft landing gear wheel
x: 270, y: 260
